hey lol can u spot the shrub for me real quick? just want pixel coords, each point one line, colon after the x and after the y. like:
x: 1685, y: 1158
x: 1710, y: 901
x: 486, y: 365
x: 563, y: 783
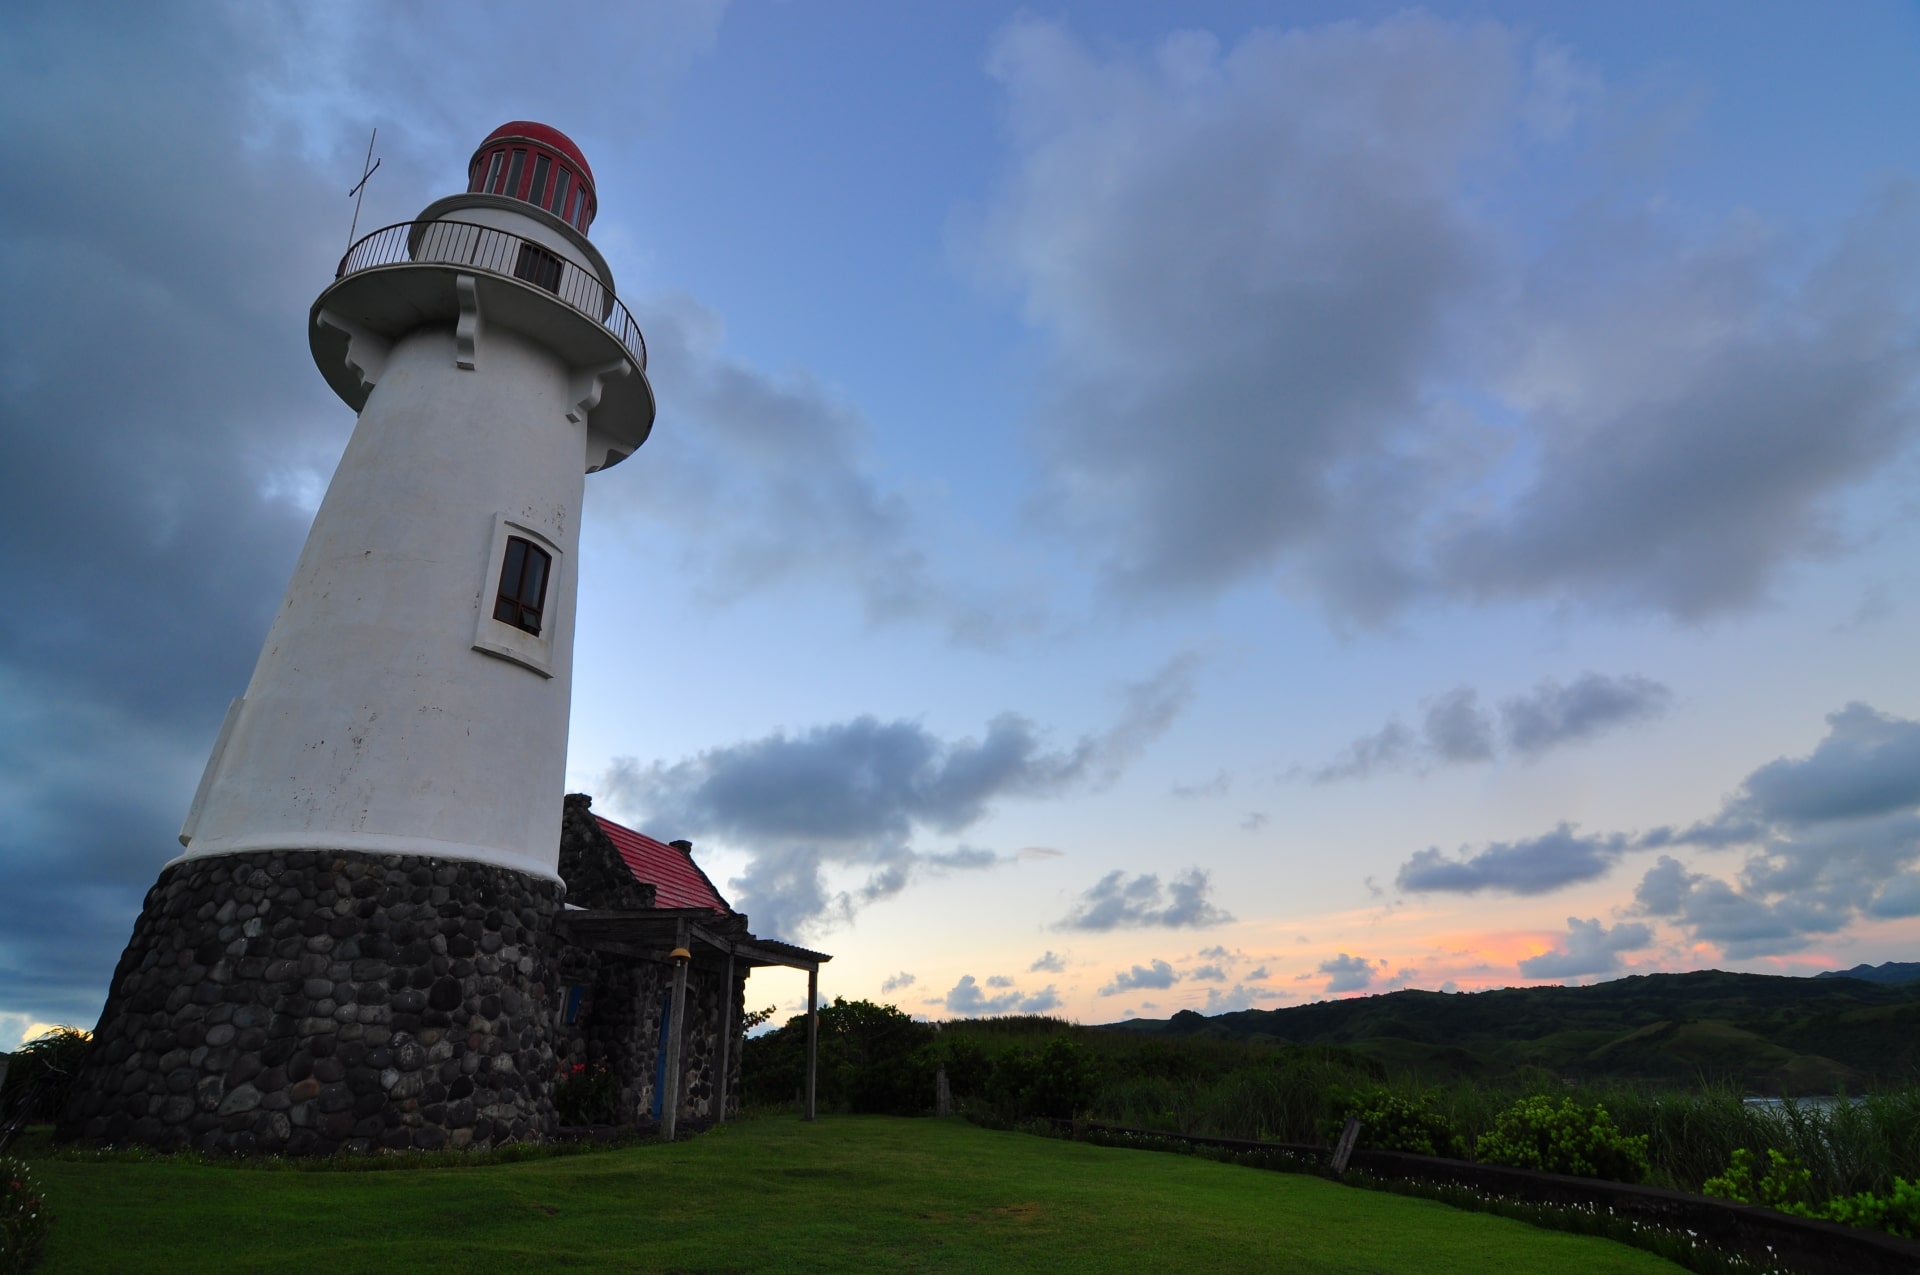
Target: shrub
x: 585, y: 1095
x: 23, y: 1217
x: 1394, y: 1122
x: 1788, y: 1185
x: 43, y: 1070
x: 1568, y: 1138
x: 873, y: 1058
x: 1056, y: 1081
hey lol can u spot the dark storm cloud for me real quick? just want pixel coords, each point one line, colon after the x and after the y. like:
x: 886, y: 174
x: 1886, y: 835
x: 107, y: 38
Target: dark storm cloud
x: 1114, y: 902
x: 855, y: 793
x: 1551, y: 714
x: 158, y: 405
x: 1290, y: 225
x: 1536, y: 865
x: 1154, y: 975
x: 1590, y: 948
x: 1456, y: 731
x: 181, y: 203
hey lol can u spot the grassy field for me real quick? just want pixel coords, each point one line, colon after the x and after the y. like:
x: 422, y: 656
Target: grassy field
x: 773, y: 1194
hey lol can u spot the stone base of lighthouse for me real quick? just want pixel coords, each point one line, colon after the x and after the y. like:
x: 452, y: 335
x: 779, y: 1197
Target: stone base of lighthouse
x: 308, y: 1002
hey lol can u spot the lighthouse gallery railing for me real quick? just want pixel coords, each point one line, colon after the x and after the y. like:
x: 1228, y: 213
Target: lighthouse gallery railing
x: 466, y: 243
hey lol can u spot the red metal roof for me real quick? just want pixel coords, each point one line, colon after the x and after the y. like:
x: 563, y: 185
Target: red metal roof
x: 677, y: 880
x: 546, y: 135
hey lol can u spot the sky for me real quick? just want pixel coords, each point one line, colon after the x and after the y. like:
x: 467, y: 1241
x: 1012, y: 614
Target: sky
x: 1152, y: 507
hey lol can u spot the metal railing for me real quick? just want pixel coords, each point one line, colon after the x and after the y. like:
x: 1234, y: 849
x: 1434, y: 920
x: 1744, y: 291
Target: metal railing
x: 477, y: 247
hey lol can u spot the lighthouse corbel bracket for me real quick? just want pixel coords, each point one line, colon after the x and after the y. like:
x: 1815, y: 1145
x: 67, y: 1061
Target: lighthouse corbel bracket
x: 351, y: 356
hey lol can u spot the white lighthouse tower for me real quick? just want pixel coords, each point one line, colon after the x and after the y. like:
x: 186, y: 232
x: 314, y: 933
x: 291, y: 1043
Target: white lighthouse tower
x: 350, y: 952
x: 413, y: 693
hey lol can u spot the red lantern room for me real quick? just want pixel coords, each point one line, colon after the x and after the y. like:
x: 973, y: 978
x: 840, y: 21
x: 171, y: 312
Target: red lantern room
x: 539, y: 164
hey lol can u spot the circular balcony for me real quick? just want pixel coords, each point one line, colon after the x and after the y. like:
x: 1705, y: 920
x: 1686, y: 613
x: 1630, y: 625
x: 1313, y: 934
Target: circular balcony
x: 486, y: 248
x: 472, y: 277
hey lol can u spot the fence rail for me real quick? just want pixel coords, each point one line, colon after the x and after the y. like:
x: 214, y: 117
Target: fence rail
x: 495, y: 251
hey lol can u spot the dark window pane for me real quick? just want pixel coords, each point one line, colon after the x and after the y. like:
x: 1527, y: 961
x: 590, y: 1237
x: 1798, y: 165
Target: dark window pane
x: 562, y: 180
x: 538, y: 266
x: 533, y: 584
x: 514, y: 170
x: 537, y: 192
x: 523, y: 585
x: 493, y: 171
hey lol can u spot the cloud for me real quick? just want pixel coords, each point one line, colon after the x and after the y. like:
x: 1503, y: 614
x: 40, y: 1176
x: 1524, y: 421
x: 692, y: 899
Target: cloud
x: 1347, y: 973
x: 1537, y: 865
x: 1258, y: 974
x: 1156, y: 975
x: 898, y: 982
x: 968, y: 1001
x: 1236, y: 998
x: 1389, y: 748
x: 1551, y: 714
x: 1218, y: 786
x: 1833, y: 836
x: 1048, y: 961
x: 1207, y: 974
x: 1041, y: 1001
x: 999, y: 980
x: 764, y: 485
x: 855, y: 793
x: 1253, y: 821
x: 1390, y: 397
x: 1455, y: 730
x: 1114, y: 902
x: 1589, y: 948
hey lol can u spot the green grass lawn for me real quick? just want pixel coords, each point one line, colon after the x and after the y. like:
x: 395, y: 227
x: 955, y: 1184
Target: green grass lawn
x: 773, y: 1194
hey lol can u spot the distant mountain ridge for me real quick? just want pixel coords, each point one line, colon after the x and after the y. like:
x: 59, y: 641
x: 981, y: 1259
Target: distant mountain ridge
x: 1766, y: 1033
x: 1885, y: 972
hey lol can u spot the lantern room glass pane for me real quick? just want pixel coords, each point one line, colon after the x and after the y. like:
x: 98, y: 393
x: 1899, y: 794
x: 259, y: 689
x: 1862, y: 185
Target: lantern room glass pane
x: 537, y: 192
x: 493, y: 171
x: 562, y: 181
x: 514, y: 172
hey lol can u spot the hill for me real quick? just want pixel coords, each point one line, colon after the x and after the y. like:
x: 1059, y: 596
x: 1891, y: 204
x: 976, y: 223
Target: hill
x: 1766, y: 1033
x: 1886, y: 972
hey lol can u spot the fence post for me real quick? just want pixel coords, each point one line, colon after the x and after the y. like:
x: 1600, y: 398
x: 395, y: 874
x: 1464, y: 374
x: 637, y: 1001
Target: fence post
x: 942, y: 1095
x: 1344, y: 1151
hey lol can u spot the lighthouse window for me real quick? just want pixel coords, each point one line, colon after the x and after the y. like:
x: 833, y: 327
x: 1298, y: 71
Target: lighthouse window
x: 579, y: 207
x: 523, y: 585
x: 561, y: 181
x: 514, y: 170
x: 537, y: 193
x: 538, y: 266
x: 493, y: 171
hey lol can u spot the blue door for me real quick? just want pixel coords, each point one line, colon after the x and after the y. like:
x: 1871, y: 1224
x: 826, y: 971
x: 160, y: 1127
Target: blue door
x: 660, y: 1054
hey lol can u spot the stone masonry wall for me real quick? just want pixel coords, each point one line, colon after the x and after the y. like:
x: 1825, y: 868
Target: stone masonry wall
x: 308, y: 1002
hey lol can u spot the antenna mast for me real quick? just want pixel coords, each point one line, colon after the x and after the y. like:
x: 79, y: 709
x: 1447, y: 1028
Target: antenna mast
x: 359, y: 191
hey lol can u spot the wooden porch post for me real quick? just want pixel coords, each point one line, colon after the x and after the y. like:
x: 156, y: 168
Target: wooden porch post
x: 726, y: 1036
x: 676, y: 1034
x: 813, y: 1035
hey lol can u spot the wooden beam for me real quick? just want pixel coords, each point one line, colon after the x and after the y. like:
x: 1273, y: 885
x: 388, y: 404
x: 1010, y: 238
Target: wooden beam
x: 676, y: 1036
x: 813, y: 1037
x: 726, y: 1038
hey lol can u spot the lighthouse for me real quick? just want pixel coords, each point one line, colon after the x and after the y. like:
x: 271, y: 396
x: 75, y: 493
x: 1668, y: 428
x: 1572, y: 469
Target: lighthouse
x: 350, y: 950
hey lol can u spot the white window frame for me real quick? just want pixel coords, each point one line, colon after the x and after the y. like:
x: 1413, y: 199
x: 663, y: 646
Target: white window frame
x: 531, y: 651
